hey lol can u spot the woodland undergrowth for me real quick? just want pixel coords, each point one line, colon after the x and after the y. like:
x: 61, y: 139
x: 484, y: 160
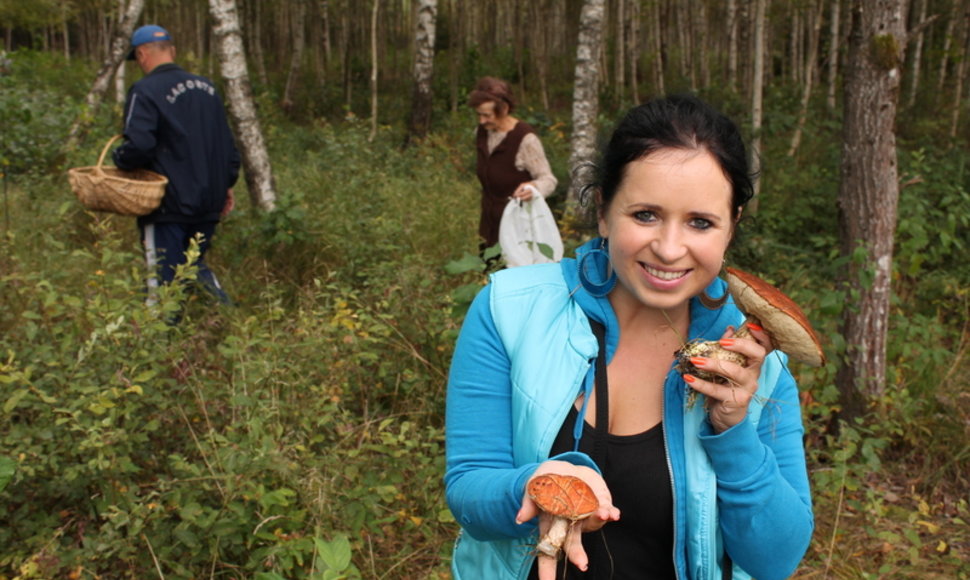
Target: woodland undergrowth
x: 299, y: 433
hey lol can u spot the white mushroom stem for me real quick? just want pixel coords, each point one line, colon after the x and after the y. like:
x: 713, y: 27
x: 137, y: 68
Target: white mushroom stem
x: 552, y: 542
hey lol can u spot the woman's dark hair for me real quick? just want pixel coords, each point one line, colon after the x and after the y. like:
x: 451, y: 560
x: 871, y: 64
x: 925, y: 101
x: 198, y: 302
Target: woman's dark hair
x: 491, y: 89
x: 673, y: 122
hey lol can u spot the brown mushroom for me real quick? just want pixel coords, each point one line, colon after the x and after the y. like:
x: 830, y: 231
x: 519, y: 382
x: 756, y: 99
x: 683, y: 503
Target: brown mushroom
x: 782, y: 319
x: 568, y: 499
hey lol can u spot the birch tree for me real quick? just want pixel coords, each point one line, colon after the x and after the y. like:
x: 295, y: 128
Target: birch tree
x: 868, y: 195
x: 242, y: 109
x: 811, y: 65
x: 757, y: 98
x: 298, y: 26
x: 585, y: 96
x: 119, y: 48
x: 833, y: 64
x: 373, y: 70
x: 422, y: 101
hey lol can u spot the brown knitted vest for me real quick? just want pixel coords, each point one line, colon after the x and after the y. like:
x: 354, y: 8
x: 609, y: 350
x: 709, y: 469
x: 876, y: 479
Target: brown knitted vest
x: 499, y: 177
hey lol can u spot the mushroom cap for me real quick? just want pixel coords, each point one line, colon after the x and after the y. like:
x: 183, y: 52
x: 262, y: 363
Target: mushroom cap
x: 563, y: 495
x: 778, y: 314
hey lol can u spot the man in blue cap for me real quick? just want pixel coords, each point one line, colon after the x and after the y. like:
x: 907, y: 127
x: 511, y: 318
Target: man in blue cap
x: 175, y: 124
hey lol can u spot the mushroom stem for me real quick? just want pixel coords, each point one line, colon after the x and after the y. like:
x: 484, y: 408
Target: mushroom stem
x: 552, y: 542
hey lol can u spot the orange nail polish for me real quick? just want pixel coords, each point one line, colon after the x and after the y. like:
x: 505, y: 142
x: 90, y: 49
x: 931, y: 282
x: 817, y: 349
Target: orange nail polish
x: 753, y: 326
x: 689, y: 378
x: 726, y: 342
x: 697, y: 361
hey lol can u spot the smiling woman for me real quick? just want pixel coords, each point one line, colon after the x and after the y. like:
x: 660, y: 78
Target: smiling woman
x: 684, y: 491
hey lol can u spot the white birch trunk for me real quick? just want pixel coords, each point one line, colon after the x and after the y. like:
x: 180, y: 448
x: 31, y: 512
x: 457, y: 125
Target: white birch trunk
x: 422, y: 101
x: 116, y: 55
x: 658, y: 44
x: 634, y: 51
x: 833, y: 68
x: 298, y: 26
x: 961, y: 75
x: 757, y: 98
x: 917, y: 56
x: 621, y: 40
x: 242, y: 109
x: 810, y: 66
x: 947, y: 42
x: 732, y: 26
x: 585, y: 96
x: 373, y: 69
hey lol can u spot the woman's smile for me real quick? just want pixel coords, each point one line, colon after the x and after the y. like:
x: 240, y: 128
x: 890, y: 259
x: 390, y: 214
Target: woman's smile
x: 668, y: 228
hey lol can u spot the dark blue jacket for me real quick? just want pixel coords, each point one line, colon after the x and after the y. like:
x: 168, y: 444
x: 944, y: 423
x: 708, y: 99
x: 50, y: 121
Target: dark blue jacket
x: 175, y: 124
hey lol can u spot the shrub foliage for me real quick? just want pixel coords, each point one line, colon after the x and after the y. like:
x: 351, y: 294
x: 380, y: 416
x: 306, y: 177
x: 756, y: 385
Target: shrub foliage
x: 300, y: 433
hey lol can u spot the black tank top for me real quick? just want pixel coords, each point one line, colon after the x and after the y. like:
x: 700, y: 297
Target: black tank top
x: 640, y: 545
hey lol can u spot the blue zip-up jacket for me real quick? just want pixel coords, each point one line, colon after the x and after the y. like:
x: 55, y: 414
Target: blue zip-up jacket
x: 175, y: 124
x: 525, y: 354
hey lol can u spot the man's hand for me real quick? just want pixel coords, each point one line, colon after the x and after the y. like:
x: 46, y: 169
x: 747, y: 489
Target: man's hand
x: 230, y: 203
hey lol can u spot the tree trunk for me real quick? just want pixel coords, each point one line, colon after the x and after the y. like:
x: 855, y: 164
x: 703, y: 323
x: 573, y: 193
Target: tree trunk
x: 757, y: 99
x: 619, y: 69
x: 538, y: 39
x: 119, y: 48
x: 298, y: 26
x: 325, y: 31
x: 745, y: 72
x: 833, y: 64
x: 657, y: 44
x: 373, y: 69
x: 961, y: 75
x: 634, y: 51
x: 732, y: 41
x: 917, y: 55
x: 422, y: 102
x: 868, y: 195
x: 947, y: 43
x: 811, y: 60
x: 456, y: 50
x: 242, y: 109
x: 585, y: 97
x: 700, y: 47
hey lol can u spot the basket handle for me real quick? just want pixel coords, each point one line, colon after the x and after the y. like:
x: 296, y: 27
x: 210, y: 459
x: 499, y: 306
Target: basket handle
x: 105, y: 151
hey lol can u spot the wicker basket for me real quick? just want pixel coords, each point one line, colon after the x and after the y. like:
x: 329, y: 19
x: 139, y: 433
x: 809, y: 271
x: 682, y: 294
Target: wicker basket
x: 101, y: 188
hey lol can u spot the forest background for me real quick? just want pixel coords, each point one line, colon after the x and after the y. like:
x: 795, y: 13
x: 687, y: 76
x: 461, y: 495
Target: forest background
x: 300, y: 434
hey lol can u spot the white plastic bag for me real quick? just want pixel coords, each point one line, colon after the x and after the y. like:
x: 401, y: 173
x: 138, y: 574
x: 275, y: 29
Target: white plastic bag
x: 528, y: 233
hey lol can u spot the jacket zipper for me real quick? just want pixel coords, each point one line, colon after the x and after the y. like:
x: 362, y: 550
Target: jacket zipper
x: 670, y: 474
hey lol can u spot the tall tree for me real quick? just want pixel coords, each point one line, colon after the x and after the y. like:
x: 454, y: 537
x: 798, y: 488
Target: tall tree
x: 373, y: 68
x: 811, y: 65
x: 757, y: 97
x: 119, y: 47
x: 298, y: 26
x: 961, y: 75
x: 833, y: 60
x: 422, y: 100
x: 869, y: 194
x: 585, y: 95
x: 916, y: 57
x: 242, y: 109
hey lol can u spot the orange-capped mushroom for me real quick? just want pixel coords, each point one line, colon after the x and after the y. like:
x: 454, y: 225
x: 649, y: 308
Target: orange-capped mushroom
x: 783, y: 320
x: 568, y: 499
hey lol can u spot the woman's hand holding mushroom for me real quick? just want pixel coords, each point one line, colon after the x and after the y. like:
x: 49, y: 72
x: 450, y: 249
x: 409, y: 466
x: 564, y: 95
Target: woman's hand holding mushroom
x: 727, y: 403
x: 573, y: 547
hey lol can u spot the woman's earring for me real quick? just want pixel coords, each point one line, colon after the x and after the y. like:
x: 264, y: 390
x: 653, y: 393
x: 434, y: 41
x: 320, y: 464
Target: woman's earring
x: 596, y: 272
x: 714, y: 303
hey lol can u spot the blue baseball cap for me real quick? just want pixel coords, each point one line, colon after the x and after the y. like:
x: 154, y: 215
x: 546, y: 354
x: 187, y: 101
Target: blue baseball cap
x: 146, y: 34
